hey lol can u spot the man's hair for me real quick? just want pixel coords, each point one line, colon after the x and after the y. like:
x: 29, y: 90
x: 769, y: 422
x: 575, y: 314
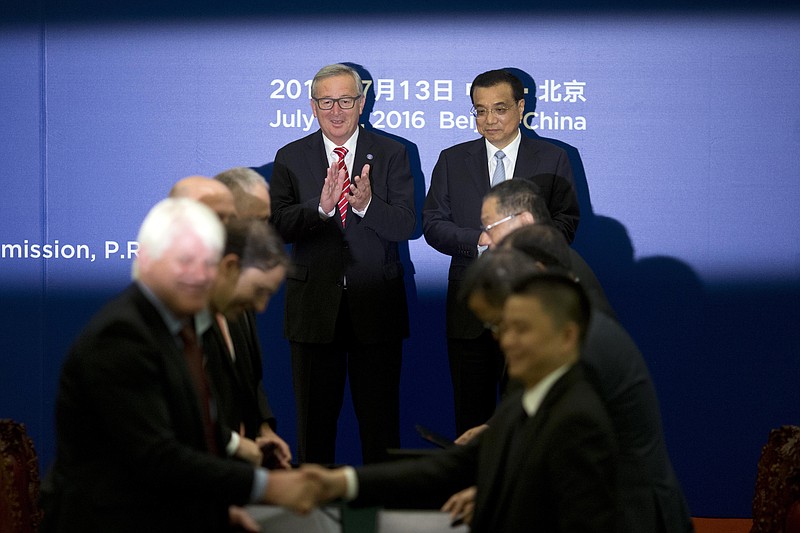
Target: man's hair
x: 518, y: 195
x: 542, y: 243
x: 494, y: 273
x: 496, y: 77
x: 336, y: 69
x: 256, y: 244
x: 175, y: 216
x: 242, y: 182
x: 561, y: 296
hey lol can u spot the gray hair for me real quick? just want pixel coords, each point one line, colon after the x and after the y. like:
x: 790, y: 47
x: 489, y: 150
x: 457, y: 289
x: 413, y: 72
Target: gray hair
x: 337, y: 69
x: 244, y: 177
x: 173, y: 216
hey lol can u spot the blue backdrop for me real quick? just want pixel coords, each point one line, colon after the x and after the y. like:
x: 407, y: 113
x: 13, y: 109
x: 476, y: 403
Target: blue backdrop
x: 682, y: 124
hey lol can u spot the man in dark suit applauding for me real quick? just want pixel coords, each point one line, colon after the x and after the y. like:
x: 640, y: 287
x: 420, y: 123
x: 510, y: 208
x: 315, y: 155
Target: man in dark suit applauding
x: 452, y: 225
x: 343, y: 197
x: 548, y: 461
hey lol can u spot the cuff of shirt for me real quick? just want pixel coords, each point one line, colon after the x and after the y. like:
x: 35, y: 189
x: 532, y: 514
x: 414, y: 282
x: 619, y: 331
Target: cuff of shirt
x: 364, y: 212
x: 351, y: 478
x: 260, y: 480
x: 233, y: 444
x: 323, y: 215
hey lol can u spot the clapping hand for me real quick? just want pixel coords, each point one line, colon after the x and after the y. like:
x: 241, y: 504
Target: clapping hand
x: 360, y: 190
x: 331, y: 188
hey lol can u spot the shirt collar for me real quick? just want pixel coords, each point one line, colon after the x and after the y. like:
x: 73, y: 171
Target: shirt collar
x: 202, y: 320
x: 510, y: 150
x: 350, y: 144
x: 532, y: 398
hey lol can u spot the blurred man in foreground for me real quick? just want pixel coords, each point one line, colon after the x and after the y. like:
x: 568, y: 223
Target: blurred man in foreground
x: 139, y: 447
x: 549, y: 459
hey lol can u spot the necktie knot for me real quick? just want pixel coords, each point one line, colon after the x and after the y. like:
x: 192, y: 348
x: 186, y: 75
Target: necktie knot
x: 340, y: 151
x: 499, y: 155
x: 188, y: 336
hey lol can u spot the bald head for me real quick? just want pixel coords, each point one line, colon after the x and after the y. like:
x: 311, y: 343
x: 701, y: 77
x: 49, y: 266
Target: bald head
x: 209, y: 192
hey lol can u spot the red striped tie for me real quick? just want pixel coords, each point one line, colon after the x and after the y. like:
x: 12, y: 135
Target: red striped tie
x: 341, y: 151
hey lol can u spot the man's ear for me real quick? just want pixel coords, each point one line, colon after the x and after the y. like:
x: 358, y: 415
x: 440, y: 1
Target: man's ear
x: 526, y: 217
x: 570, y: 334
x: 229, y: 265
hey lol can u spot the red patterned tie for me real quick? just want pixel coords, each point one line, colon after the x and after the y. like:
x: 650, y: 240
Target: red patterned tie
x: 194, y: 359
x: 341, y: 151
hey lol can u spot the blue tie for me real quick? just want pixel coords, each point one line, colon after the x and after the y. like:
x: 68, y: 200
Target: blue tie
x: 499, y: 175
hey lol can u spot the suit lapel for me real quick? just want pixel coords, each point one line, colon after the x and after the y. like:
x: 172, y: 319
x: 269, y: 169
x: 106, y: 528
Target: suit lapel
x: 525, y: 443
x: 364, y: 154
x: 174, y: 359
x: 475, y: 161
x: 221, y: 348
x: 318, y: 161
x: 527, y: 159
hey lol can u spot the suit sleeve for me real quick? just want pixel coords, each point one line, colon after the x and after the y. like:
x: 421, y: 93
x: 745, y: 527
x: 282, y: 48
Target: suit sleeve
x: 418, y: 483
x: 127, y: 391
x: 294, y: 218
x: 563, y: 202
x: 439, y: 228
x: 393, y: 217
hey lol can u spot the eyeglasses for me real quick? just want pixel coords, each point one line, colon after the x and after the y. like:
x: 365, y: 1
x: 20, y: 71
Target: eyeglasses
x: 494, y: 327
x: 493, y: 225
x: 482, y: 112
x: 345, y: 102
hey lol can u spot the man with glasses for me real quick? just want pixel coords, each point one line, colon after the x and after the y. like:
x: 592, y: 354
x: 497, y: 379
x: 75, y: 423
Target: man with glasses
x: 452, y: 225
x: 343, y: 197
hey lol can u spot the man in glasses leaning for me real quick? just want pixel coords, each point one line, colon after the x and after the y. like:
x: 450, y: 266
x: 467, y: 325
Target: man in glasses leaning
x: 452, y: 224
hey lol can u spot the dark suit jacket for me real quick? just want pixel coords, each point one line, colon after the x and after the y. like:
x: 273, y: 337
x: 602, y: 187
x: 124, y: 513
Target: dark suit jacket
x: 239, y: 390
x: 131, y: 452
x: 366, y: 251
x: 561, y: 477
x: 591, y: 285
x: 451, y: 217
x: 649, y: 490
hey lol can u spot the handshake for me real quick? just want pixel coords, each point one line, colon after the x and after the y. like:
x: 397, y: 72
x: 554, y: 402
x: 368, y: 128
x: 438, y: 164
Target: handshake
x: 305, y: 488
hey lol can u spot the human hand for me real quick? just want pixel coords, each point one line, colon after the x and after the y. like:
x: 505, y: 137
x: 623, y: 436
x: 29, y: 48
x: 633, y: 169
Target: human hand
x: 293, y: 489
x: 360, y: 190
x: 332, y: 483
x: 279, y: 451
x: 461, y: 505
x: 331, y: 188
x: 470, y: 434
x: 249, y: 451
x: 239, y: 518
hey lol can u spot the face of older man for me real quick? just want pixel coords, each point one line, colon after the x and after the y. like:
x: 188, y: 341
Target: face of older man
x: 497, y: 225
x: 336, y: 123
x: 498, y: 115
x: 183, y: 275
